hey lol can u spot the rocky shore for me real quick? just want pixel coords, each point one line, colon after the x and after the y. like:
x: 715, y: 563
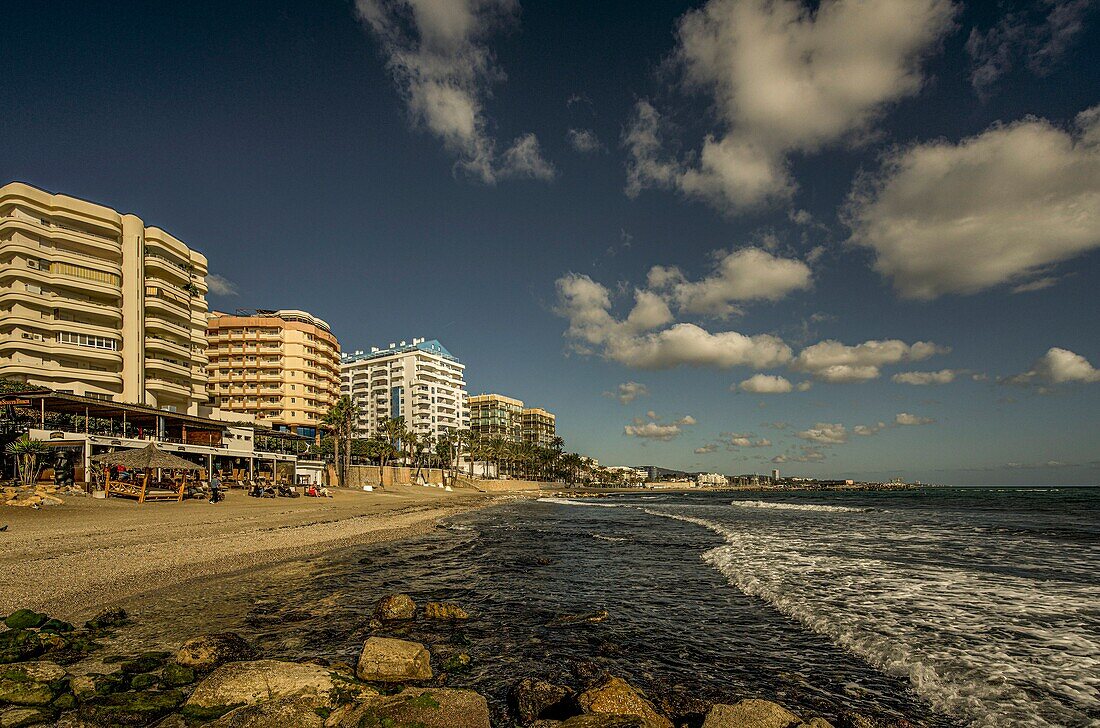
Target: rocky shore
x: 54, y: 673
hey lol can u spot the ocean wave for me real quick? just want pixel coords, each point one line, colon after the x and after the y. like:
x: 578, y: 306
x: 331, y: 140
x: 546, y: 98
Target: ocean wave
x: 616, y: 539
x: 582, y: 502
x: 992, y: 649
x: 797, y: 507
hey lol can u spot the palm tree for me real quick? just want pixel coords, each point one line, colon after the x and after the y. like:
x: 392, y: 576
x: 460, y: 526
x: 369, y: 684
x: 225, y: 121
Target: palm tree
x: 391, y: 431
x: 340, y: 420
x: 27, y: 454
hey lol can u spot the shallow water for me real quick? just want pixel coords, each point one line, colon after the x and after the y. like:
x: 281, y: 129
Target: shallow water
x: 966, y: 606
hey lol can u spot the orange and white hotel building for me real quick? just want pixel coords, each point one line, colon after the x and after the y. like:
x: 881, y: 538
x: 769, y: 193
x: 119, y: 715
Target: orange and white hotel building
x: 281, y: 368
x: 94, y: 303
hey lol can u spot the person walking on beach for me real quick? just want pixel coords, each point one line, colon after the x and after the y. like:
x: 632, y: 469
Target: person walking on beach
x: 215, y: 488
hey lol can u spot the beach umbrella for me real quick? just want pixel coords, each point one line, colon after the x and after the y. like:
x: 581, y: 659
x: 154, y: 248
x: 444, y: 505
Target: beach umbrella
x: 145, y: 458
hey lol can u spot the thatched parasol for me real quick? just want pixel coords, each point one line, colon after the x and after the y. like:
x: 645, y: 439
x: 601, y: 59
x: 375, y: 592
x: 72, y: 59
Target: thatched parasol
x: 144, y: 458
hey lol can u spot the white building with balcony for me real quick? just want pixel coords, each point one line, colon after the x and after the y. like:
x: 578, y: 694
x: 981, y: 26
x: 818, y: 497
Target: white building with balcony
x: 421, y: 382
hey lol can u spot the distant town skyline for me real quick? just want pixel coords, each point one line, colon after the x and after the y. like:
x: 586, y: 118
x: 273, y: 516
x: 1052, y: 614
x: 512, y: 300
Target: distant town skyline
x: 722, y: 236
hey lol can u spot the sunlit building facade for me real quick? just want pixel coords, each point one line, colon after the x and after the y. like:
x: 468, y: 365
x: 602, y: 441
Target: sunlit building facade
x: 494, y: 415
x: 281, y: 368
x: 539, y: 426
x: 421, y: 382
x: 94, y: 303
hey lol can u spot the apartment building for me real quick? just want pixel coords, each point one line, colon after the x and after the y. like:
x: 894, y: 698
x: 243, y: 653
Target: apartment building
x: 539, y: 426
x: 421, y: 382
x: 280, y: 367
x: 93, y: 302
x: 494, y: 415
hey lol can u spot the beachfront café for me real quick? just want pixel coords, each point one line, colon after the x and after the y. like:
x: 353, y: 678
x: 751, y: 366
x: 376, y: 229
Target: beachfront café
x: 78, y: 428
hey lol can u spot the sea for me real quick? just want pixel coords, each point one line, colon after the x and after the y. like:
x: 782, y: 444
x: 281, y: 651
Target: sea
x: 944, y: 606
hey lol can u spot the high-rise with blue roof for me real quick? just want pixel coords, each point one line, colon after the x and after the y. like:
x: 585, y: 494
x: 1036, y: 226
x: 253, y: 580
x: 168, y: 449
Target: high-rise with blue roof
x: 421, y: 382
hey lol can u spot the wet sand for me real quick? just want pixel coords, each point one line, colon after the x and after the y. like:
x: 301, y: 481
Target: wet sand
x: 74, y: 560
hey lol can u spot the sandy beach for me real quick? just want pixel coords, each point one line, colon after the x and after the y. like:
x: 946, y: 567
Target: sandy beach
x: 76, y: 559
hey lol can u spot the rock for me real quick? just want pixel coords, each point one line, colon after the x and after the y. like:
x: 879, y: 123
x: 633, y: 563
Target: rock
x: 391, y: 660
x: 209, y: 651
x: 614, y: 696
x: 683, y: 705
x: 26, y: 619
x: 420, y: 707
x: 83, y: 687
x: 532, y: 699
x: 143, y: 681
x: 56, y: 625
x: 604, y: 721
x: 395, y: 607
x: 271, y: 714
x: 107, y: 618
x: 145, y: 662
x: 458, y: 662
x: 245, y: 683
x: 19, y: 717
x: 444, y: 610
x: 65, y: 701
x: 131, y: 708
x: 817, y: 722
x: 572, y: 620
x: 177, y: 675
x: 31, y: 683
x: 751, y: 714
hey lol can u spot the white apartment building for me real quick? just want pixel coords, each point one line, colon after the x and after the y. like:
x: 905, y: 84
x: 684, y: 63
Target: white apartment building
x: 421, y: 382
x: 94, y: 303
x: 711, y: 479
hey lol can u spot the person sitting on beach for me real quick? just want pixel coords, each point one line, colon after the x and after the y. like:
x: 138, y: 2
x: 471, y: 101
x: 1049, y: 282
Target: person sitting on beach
x: 256, y: 490
x: 215, y: 489
x: 311, y: 491
x: 323, y: 493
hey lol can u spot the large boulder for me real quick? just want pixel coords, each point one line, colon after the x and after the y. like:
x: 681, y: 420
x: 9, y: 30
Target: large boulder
x: 25, y: 619
x: 444, y: 610
x: 271, y: 714
x: 246, y: 683
x: 614, y: 696
x: 391, y: 660
x: 31, y: 683
x: 21, y: 717
x: 533, y: 699
x: 420, y: 707
x: 395, y: 608
x: 131, y: 708
x: 17, y: 645
x: 751, y: 714
x: 206, y: 652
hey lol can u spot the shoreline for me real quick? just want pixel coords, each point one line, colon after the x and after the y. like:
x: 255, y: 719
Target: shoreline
x: 77, y: 559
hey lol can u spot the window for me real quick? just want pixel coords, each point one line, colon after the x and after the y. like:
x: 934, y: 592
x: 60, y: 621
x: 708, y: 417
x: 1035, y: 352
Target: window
x: 79, y: 271
x: 87, y: 340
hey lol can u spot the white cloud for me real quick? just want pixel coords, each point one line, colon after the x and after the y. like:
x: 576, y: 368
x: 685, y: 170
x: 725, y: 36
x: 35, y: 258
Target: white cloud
x: 220, y: 285
x: 782, y: 78
x: 653, y: 429
x: 748, y: 274
x: 825, y: 433
x: 705, y: 449
x: 627, y: 392
x: 585, y: 141
x: 766, y: 384
x: 1040, y: 33
x: 943, y: 376
x: 444, y: 70
x: 1058, y: 366
x: 904, y: 419
x: 999, y: 207
x: 868, y: 430
x: 633, y: 342
x: 834, y: 362
x: 808, y: 454
x: 737, y: 440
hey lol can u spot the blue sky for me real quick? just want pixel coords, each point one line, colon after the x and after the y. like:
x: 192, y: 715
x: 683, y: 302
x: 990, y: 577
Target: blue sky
x: 638, y: 215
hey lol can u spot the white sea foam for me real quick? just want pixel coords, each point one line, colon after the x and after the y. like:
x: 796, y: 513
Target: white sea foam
x: 616, y: 539
x: 993, y: 649
x: 797, y: 507
x: 582, y: 502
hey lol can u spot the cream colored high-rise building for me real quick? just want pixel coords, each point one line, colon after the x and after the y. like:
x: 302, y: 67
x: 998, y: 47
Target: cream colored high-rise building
x: 539, y: 426
x: 95, y: 303
x: 281, y: 367
x: 494, y: 415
